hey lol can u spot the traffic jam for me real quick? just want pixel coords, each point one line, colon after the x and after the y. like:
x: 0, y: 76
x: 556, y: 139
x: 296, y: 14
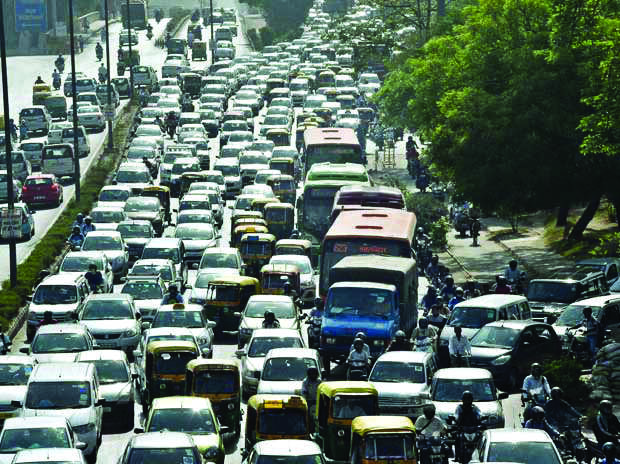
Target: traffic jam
x: 245, y: 291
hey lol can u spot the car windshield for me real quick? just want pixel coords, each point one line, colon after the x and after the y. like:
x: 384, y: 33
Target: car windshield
x: 58, y: 395
x: 111, y: 371
x: 152, y: 270
x: 302, y: 264
x: 572, y: 315
x: 102, y: 243
x: 471, y: 318
x: 55, y: 294
x: 559, y: 292
x: 215, y: 382
x: 162, y: 253
x: 351, y: 406
x: 282, y: 422
x: 192, y: 421
x: 276, y: 120
x: 219, y: 261
x: 287, y: 369
x: 305, y: 459
x: 79, y: 263
x: 396, y: 372
x: 180, y: 168
x: 523, y: 451
x: 452, y: 389
x: 113, y: 195
x: 14, y: 374
x: 260, y: 346
x: 59, y: 343
x: 178, y: 318
x: 281, y: 309
x: 194, y: 204
x: 143, y: 290
x: 106, y: 310
x: 133, y: 176
x: 253, y: 159
x: 163, y: 456
x: 14, y: 440
x: 148, y: 131
x: 107, y: 217
x: 495, y: 337
x: 173, y: 362
x: 229, y: 170
x: 134, y: 230
x: 357, y: 301
x: 135, y: 204
x: 39, y: 181
x: 194, y: 231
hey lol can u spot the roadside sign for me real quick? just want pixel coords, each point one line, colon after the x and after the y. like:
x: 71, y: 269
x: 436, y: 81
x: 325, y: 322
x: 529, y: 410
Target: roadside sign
x: 30, y: 15
x: 11, y: 223
x: 109, y: 112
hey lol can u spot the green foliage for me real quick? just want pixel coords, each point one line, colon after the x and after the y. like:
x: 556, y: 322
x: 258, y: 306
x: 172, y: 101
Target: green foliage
x: 609, y: 245
x: 566, y: 374
x: 439, y: 232
x: 284, y: 18
x: 254, y: 39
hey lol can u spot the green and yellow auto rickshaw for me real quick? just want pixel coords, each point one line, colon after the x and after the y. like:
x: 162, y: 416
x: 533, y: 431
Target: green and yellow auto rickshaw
x: 164, y: 368
x: 256, y: 250
x: 284, y: 165
x: 218, y: 380
x: 284, y: 187
x: 381, y: 439
x: 258, y: 204
x: 274, y: 417
x: 274, y: 276
x: 199, y: 50
x: 280, y: 137
x: 338, y: 403
x: 243, y: 229
x: 163, y: 193
x: 280, y: 219
x: 226, y: 299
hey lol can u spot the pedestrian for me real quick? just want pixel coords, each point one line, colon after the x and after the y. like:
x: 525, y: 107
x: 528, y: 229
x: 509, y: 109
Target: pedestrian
x: 592, y: 329
x: 474, y: 230
x: 81, y: 43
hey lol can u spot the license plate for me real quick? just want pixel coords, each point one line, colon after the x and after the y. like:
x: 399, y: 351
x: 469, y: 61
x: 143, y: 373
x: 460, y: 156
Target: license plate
x: 105, y: 344
x: 39, y: 197
x: 107, y: 409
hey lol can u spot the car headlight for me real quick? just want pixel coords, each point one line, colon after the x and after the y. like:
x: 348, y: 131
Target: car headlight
x: 86, y: 428
x: 330, y: 340
x: 501, y: 360
x: 130, y: 333
x: 378, y: 342
x: 211, y: 452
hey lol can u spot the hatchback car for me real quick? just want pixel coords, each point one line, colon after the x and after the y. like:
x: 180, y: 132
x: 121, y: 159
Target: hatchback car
x: 107, y: 218
x: 286, y: 368
x: 76, y: 263
x: 148, y: 209
x: 59, y: 343
x: 282, y: 306
x: 42, y: 189
x: 196, y: 238
x: 113, y: 195
x: 153, y: 267
x: 290, y: 451
x: 136, y: 234
x: 511, y: 445
x: 50, y: 456
x: 147, y: 293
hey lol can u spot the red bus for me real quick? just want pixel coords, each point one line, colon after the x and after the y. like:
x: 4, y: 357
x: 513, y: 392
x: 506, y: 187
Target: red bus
x: 388, y: 232
x: 331, y: 144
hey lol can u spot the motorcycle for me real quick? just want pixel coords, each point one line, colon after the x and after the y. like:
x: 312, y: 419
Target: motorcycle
x: 578, y: 347
x: 518, y: 285
x: 358, y: 370
x: 314, y: 331
x: 149, y: 34
x: 171, y: 129
x: 60, y: 65
x: 466, y: 439
x: 433, y: 449
x: 423, y: 344
x: 99, y: 53
x: 534, y: 397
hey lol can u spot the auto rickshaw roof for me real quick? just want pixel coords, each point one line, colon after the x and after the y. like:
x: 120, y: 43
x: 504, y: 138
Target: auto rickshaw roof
x: 258, y: 237
x: 346, y: 386
x: 327, y: 183
x: 250, y: 221
x: 265, y: 200
x: 200, y: 364
x: 234, y: 279
x: 251, y: 228
x: 367, y: 424
x: 247, y: 214
x: 278, y: 206
x: 278, y: 131
x: 156, y: 188
x: 297, y: 242
x: 276, y: 401
x: 183, y: 402
x: 280, y: 268
x: 282, y: 159
x: 171, y: 345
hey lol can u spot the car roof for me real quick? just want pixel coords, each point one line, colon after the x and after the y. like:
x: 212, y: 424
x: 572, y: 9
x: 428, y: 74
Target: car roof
x: 471, y: 373
x: 163, y: 242
x: 292, y: 353
x: 104, y: 233
x: 491, y: 301
x: 35, y: 422
x: 170, y: 331
x: 162, y: 439
x: 366, y: 285
x: 62, y: 371
x: 598, y: 301
x: 185, y: 402
x: 287, y: 448
x: 288, y: 333
x: 518, y: 325
x: 180, y: 307
x: 85, y: 254
x: 154, y: 262
x: 270, y: 298
x: 60, y: 279
x: 518, y: 435
x: 110, y: 296
x: 101, y: 355
x: 63, y: 327
x: 221, y: 250
x: 405, y: 356
x: 48, y: 455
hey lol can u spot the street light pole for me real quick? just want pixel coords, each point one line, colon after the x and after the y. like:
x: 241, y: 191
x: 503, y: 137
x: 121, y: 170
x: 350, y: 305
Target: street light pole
x: 9, y: 154
x: 131, y: 89
x: 76, y: 147
x: 211, y: 44
x: 107, y: 55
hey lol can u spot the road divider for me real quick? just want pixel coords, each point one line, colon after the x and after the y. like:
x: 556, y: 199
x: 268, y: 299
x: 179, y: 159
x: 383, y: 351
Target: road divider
x: 178, y: 18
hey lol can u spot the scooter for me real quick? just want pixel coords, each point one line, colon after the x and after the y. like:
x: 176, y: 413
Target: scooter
x: 314, y: 331
x: 534, y: 397
x: 433, y: 449
x: 466, y: 439
x: 149, y: 34
x: 358, y: 370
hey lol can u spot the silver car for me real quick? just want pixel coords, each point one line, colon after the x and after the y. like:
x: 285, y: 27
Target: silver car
x: 147, y: 293
x: 285, y: 370
x: 111, y: 243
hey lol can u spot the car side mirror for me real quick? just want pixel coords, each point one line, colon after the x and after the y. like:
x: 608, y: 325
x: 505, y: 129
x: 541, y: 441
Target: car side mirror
x: 237, y: 314
x: 211, y: 324
x: 194, y: 266
x: 16, y: 404
x: 240, y: 353
x: 25, y: 350
x: 145, y: 325
x: 138, y: 430
x: 503, y: 396
x: 100, y: 402
x: 81, y: 445
x: 224, y: 429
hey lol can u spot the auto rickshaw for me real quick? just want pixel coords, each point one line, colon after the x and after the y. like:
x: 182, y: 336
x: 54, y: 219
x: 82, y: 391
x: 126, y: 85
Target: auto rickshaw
x: 218, y: 380
x: 302, y: 117
x: 226, y: 296
x: 272, y: 417
x: 283, y: 186
x: 163, y: 193
x: 244, y: 214
x: 249, y: 222
x: 338, y: 403
x: 256, y: 250
x: 40, y: 92
x: 124, y: 61
x: 284, y: 165
x: 326, y: 79
x: 274, y: 276
x: 280, y: 137
x: 199, y: 50
x: 242, y: 229
x: 379, y: 439
x: 280, y: 219
x: 290, y: 246
x: 164, y: 368
x: 259, y: 204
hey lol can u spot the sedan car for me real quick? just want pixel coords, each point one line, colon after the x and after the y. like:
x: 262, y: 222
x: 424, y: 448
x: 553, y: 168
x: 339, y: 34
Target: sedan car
x: 164, y: 268
x: 162, y: 446
x: 114, y: 196
x: 116, y: 384
x: 254, y: 353
x: 42, y: 189
x: 285, y: 370
x: 148, y: 209
x: 14, y: 374
x: 59, y: 343
x: 222, y: 258
x: 76, y: 263
x: 282, y: 306
x: 196, y: 239
x: 111, y: 243
x: 193, y: 216
x: 91, y: 117
x: 293, y: 451
x: 447, y: 389
x: 517, y: 445
x: 134, y: 175
x: 50, y: 456
x: 151, y: 131
x: 107, y: 218
x: 147, y: 293
x: 136, y: 234
x: 508, y: 349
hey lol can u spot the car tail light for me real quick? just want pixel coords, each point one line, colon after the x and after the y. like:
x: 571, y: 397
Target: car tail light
x: 54, y: 187
x: 24, y: 189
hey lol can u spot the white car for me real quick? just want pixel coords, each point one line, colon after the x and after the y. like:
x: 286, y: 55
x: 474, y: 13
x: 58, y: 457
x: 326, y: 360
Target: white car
x: 282, y: 306
x: 14, y: 374
x: 91, y: 117
x: 285, y: 370
x: 77, y: 262
x: 253, y: 354
x: 517, y: 445
x: 107, y: 218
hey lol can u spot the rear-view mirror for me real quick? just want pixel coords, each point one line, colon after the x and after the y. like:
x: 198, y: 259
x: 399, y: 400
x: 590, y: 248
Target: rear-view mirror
x: 81, y: 445
x: 240, y: 353
x: 194, y: 266
x: 503, y: 396
x: 211, y: 324
x: 145, y: 325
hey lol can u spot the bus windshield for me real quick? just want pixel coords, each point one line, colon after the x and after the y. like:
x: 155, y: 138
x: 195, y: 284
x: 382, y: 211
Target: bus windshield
x: 334, y: 154
x: 317, y: 209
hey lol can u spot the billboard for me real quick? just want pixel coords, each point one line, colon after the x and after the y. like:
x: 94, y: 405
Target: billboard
x: 31, y: 15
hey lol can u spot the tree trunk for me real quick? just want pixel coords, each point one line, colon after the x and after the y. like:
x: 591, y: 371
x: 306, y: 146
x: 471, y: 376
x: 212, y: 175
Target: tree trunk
x: 562, y: 217
x: 584, y: 220
x: 615, y: 201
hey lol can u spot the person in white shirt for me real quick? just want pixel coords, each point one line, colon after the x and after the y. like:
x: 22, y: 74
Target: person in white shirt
x: 459, y: 348
x: 429, y: 424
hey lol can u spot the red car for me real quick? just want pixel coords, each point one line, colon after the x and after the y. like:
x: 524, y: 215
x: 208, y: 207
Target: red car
x: 42, y: 189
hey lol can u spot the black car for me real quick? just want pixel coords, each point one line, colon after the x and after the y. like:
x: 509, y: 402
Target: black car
x: 508, y: 348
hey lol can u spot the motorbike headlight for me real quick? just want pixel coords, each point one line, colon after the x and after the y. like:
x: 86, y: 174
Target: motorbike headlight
x: 130, y: 333
x: 330, y: 340
x: 378, y: 342
x: 231, y: 406
x: 501, y: 360
x: 211, y: 452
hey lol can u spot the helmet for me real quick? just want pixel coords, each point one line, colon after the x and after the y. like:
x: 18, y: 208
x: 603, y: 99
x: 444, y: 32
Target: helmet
x: 360, y: 335
x: 459, y: 291
x: 358, y: 342
x: 76, y: 229
x: 501, y: 280
x: 609, y: 450
x: 556, y: 393
x: 173, y: 287
x: 449, y: 279
x: 269, y: 315
x: 312, y: 372
x: 420, y: 230
x: 513, y: 263
x: 467, y: 396
x: 79, y: 216
x: 535, y: 366
x: 423, y: 323
x: 605, y: 406
x: 286, y: 286
x: 88, y: 219
x: 399, y: 335
x: 538, y: 413
x: 434, y: 259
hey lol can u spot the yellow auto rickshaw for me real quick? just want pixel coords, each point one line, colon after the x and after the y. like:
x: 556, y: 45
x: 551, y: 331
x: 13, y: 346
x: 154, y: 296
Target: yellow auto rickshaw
x: 273, y: 417
x: 326, y: 79
x: 280, y: 137
x: 163, y: 193
x: 164, y: 368
x: 290, y: 246
x: 40, y: 92
x: 284, y: 165
x: 380, y: 439
x: 124, y: 60
x: 249, y: 222
x: 218, y: 380
x: 274, y: 276
x: 226, y: 298
x: 199, y: 50
x: 242, y: 229
x: 338, y: 403
x: 256, y: 250
x: 283, y: 186
x: 259, y: 204
x: 280, y: 219
x: 242, y: 214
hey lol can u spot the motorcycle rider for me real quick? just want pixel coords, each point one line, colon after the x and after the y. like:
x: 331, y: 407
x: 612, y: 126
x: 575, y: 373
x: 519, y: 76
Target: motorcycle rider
x: 535, y: 388
x: 270, y: 321
x: 399, y: 343
x: 436, y: 318
x: 56, y: 79
x: 358, y: 357
x: 449, y: 290
x: 60, y: 63
x: 94, y: 278
x: 361, y: 336
x: 23, y: 130
x: 539, y: 422
x: 79, y: 221
x: 171, y: 123
x: 459, y: 348
x: 501, y: 286
x: 467, y: 415
x: 609, y: 451
x: 513, y: 274
x: 99, y: 51
x: 172, y: 296
x: 48, y: 319
x: 160, y: 123
x: 428, y: 423
x: 76, y: 238
x: 103, y: 73
x: 607, y: 426
x: 412, y: 155
x: 430, y: 299
x: 13, y: 128
x: 458, y: 297
x: 88, y: 226
x: 424, y: 335
x: 39, y: 81
x: 433, y: 269
x: 558, y: 411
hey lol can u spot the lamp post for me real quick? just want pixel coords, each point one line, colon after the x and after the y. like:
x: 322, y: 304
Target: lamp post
x: 76, y: 148
x: 9, y: 155
x: 107, y: 56
x: 211, y: 43
x: 131, y: 89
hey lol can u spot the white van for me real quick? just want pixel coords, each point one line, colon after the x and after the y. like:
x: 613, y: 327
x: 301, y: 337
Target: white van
x: 57, y: 159
x: 21, y: 166
x: 83, y: 143
x: 70, y: 390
